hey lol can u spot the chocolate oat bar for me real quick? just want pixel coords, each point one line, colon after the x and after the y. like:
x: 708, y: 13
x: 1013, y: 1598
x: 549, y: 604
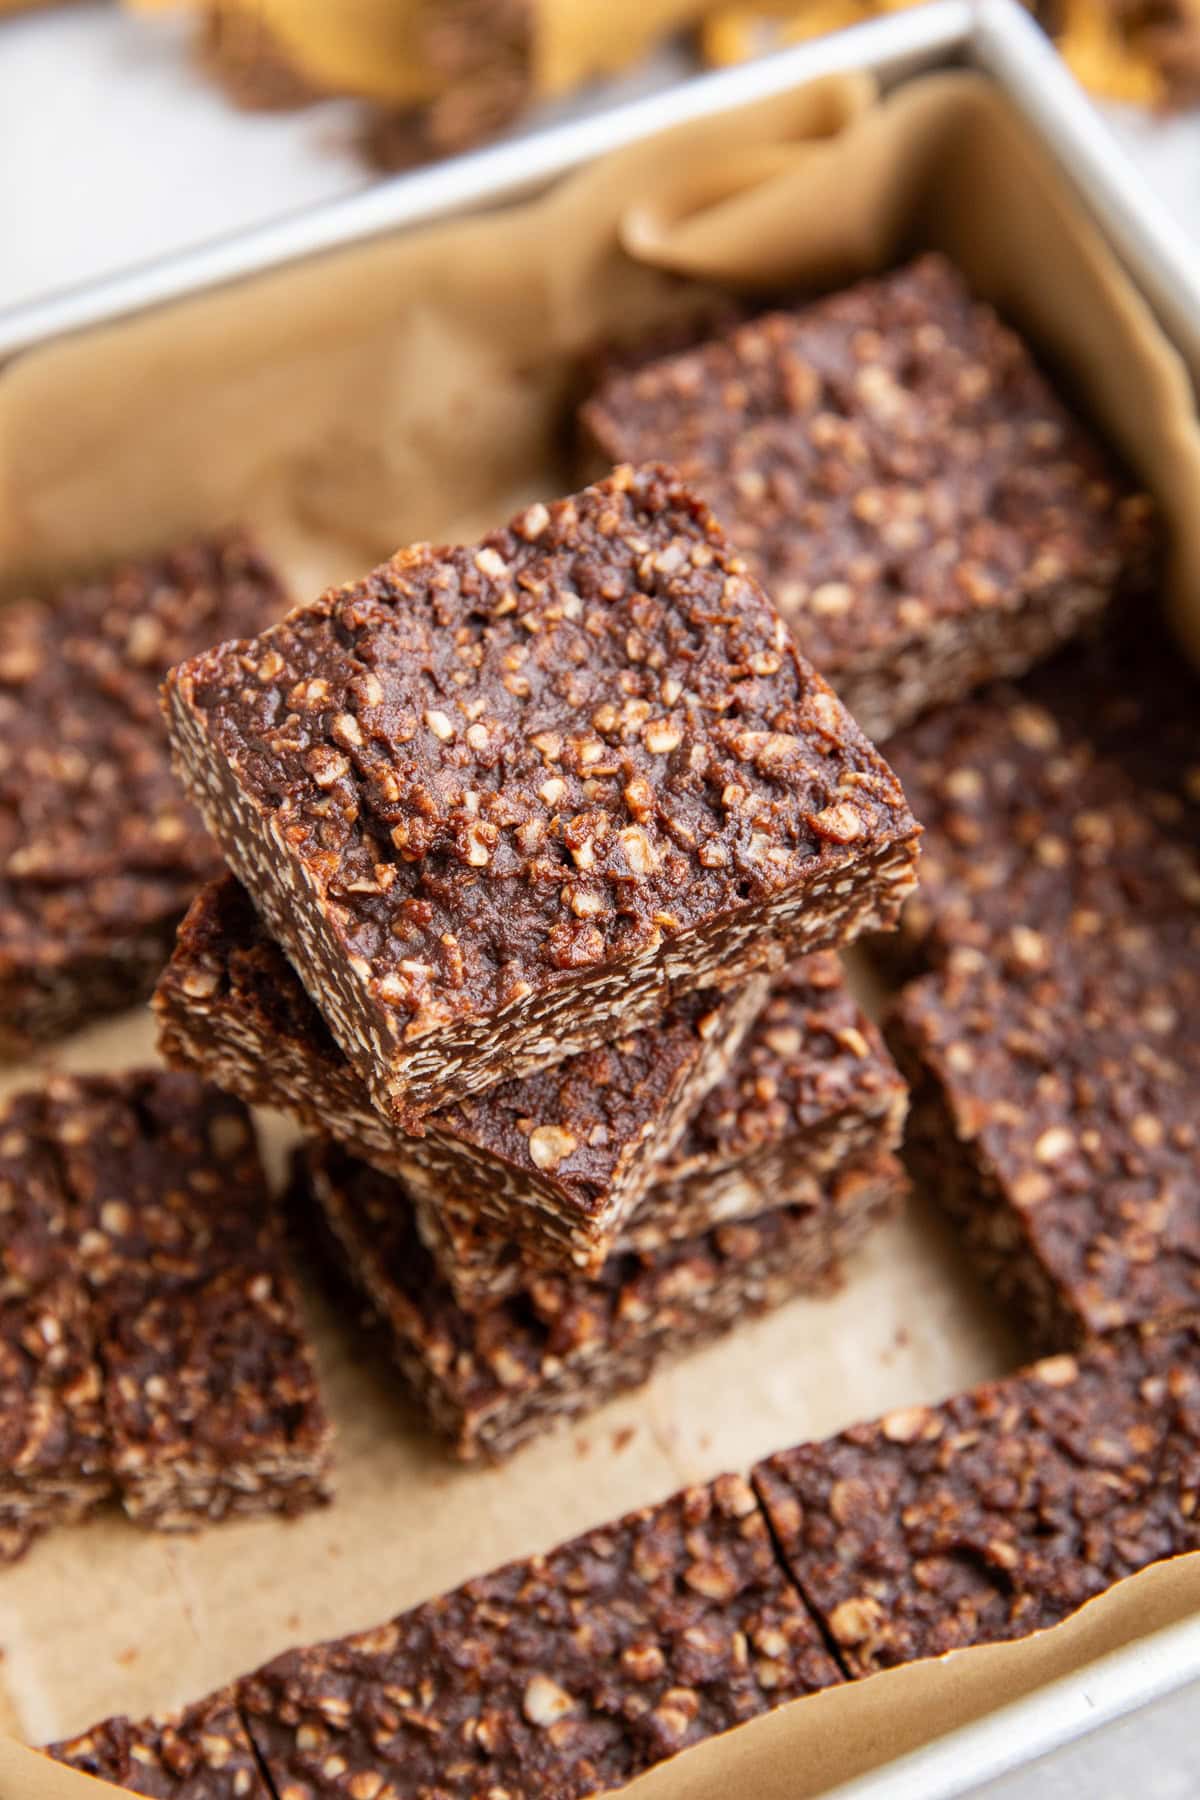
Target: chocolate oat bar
x: 1000, y: 1511
x: 559, y: 1158
x: 492, y: 1378
x: 500, y: 805
x: 200, y: 1753
x: 812, y: 1087
x: 1067, y: 804
x: 99, y: 853
x: 1054, y: 1116
x: 920, y: 504
x: 1055, y: 1052
x: 211, y: 1404
x: 53, y: 1453
x: 813, y: 1091
x: 566, y: 1674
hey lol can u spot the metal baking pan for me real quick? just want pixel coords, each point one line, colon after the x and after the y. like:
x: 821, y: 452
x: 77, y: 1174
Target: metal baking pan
x: 997, y: 38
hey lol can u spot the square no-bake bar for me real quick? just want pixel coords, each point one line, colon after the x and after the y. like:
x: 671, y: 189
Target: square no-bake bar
x: 492, y: 1377
x: 151, y: 1342
x: 500, y: 804
x: 810, y: 1087
x: 200, y: 1753
x: 1000, y: 1511
x: 1054, y: 1051
x: 211, y: 1406
x: 1054, y: 1117
x: 99, y: 852
x: 210, y: 1385
x: 566, y: 1674
x: 558, y: 1158
x: 919, y: 502
x: 1063, y: 805
x: 812, y: 1092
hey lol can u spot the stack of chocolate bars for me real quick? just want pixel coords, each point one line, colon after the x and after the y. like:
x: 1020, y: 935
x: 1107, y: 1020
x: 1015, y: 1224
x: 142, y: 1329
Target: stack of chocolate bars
x: 542, y: 848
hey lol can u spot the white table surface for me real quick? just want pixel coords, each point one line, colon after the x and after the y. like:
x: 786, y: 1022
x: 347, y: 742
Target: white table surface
x: 114, y: 149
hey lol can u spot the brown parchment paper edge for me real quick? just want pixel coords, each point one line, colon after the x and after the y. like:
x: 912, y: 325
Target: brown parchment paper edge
x: 700, y: 202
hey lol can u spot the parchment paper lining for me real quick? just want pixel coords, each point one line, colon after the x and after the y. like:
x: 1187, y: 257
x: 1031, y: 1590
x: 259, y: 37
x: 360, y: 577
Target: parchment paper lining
x: 415, y: 387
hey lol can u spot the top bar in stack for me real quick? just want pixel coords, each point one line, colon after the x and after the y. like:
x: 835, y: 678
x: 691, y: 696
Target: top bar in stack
x: 99, y: 854
x: 920, y: 504
x: 501, y: 804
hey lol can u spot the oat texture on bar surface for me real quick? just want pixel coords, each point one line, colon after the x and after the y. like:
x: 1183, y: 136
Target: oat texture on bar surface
x: 499, y: 804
